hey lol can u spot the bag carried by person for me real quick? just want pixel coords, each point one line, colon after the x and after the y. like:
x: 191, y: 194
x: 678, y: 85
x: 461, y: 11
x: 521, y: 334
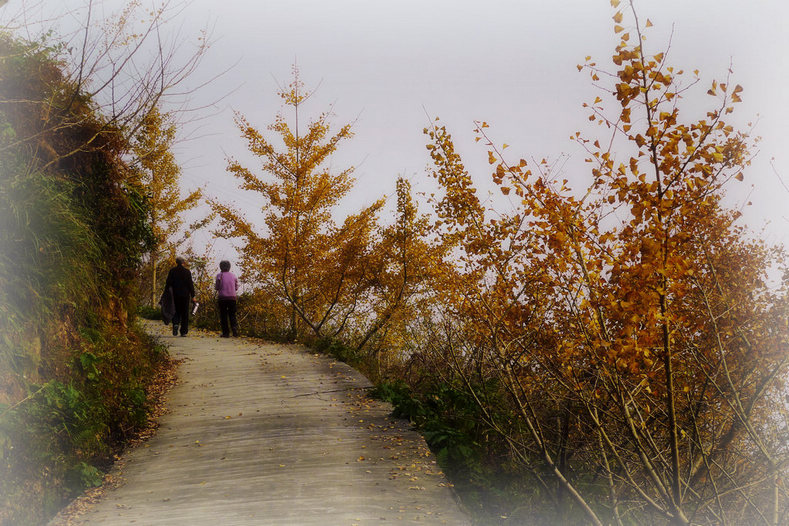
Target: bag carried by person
x: 167, y: 302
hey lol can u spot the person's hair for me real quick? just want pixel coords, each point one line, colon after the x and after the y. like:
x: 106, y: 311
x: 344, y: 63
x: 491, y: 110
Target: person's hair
x: 179, y: 260
x: 224, y: 265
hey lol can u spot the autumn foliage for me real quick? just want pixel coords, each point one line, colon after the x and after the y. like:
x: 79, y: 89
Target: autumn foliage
x: 632, y: 328
x: 621, y: 342
x: 156, y: 170
x: 325, y: 279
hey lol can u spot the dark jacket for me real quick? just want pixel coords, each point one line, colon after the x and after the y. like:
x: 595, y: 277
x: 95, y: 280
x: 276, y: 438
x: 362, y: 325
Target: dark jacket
x: 180, y: 279
x: 168, y: 305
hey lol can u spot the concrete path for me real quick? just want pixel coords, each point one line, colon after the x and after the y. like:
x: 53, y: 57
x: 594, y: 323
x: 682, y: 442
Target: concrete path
x: 272, y: 434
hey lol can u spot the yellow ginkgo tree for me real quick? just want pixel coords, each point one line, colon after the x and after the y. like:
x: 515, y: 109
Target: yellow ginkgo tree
x: 320, y: 271
x: 630, y: 325
x: 160, y: 175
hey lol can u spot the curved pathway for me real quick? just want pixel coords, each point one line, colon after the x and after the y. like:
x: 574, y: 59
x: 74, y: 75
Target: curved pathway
x: 273, y: 434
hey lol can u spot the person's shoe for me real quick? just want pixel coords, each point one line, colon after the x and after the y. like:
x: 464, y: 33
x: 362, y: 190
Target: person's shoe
x: 225, y: 336
x: 175, y: 329
x: 183, y: 334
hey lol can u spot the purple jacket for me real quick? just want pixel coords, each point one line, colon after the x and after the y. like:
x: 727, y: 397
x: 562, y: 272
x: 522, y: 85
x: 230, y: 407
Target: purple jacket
x: 226, y: 285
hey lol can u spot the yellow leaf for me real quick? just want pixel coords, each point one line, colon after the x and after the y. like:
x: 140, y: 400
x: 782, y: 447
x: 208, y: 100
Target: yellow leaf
x: 614, y: 3
x: 618, y: 29
x: 618, y: 17
x: 735, y: 97
x: 649, y: 23
x: 739, y: 176
x: 505, y: 145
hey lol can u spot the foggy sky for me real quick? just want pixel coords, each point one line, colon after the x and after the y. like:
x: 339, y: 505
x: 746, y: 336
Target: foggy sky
x: 392, y: 66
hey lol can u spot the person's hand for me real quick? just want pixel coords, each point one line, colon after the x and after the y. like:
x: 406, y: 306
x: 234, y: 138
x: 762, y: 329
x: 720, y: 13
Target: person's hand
x: 194, y: 300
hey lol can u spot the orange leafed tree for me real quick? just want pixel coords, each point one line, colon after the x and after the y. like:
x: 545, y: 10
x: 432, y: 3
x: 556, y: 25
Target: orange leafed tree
x: 403, y: 264
x: 643, y: 357
x: 159, y: 174
x: 318, y: 269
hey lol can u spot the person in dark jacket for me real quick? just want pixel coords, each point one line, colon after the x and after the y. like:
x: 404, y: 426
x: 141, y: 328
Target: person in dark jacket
x: 179, y: 279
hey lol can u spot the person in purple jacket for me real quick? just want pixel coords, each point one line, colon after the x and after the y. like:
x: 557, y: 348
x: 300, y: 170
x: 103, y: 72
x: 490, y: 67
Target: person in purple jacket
x: 226, y: 286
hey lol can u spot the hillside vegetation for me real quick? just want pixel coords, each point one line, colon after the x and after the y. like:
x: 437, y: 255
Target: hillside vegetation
x: 73, y: 369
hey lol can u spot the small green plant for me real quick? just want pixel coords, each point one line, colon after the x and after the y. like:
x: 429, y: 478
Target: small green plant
x: 448, y: 420
x: 454, y: 428
x: 149, y: 313
x: 83, y: 476
x: 88, y: 362
x: 137, y: 400
x: 338, y: 349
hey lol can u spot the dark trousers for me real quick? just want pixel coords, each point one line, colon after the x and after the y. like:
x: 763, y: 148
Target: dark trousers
x: 181, y: 317
x: 227, y: 316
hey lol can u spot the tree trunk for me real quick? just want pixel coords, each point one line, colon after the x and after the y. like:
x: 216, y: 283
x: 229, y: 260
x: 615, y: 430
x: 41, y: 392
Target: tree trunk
x: 154, y: 290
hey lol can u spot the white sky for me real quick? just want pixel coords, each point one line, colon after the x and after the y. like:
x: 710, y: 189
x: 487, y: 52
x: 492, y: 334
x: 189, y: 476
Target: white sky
x: 512, y: 63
